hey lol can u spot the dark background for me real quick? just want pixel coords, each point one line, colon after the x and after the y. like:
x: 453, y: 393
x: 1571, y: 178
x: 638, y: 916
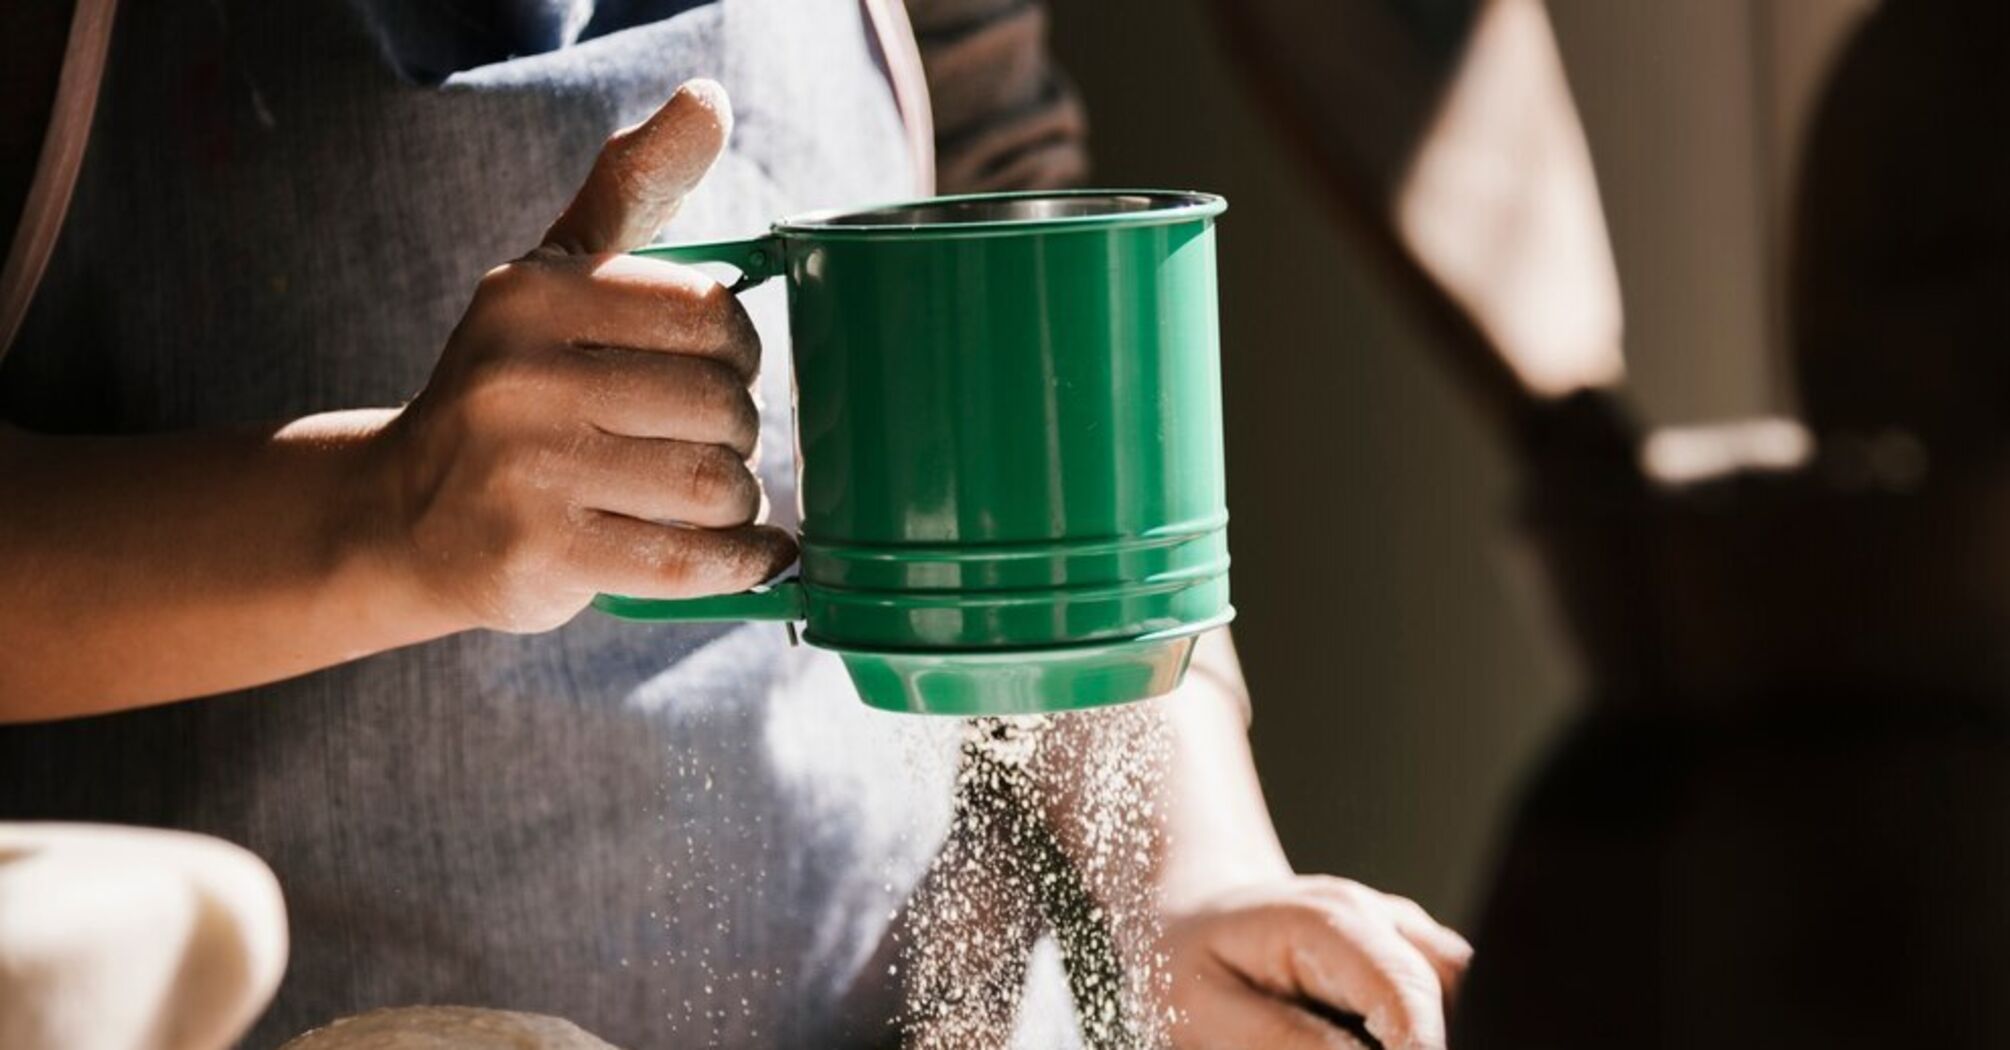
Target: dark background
x: 1404, y: 673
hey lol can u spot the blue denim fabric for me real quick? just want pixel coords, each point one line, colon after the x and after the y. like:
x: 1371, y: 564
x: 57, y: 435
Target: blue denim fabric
x: 682, y: 836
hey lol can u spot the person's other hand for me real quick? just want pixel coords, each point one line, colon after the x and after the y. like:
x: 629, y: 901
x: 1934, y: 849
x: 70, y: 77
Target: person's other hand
x: 1287, y: 965
x: 590, y: 425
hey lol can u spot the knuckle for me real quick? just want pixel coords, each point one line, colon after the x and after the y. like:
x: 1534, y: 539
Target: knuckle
x: 721, y: 393
x: 518, y: 295
x: 1318, y: 914
x: 1407, y: 908
x: 712, y: 383
x: 715, y: 303
x: 1415, y: 983
x: 677, y: 565
x: 717, y: 299
x: 747, y: 495
x: 520, y: 557
x: 598, y: 267
x: 698, y: 561
x: 695, y: 563
x: 745, y: 338
x: 615, y: 161
x: 499, y: 477
x: 620, y: 139
x: 532, y: 469
x: 633, y: 179
x: 497, y: 385
x: 717, y: 476
x: 1407, y: 998
x: 746, y: 427
x: 731, y: 328
x: 1344, y: 890
x: 505, y: 281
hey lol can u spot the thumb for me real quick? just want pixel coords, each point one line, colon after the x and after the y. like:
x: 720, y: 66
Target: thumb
x: 644, y: 172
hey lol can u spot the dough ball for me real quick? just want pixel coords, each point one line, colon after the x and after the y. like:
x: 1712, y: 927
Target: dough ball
x: 448, y: 1028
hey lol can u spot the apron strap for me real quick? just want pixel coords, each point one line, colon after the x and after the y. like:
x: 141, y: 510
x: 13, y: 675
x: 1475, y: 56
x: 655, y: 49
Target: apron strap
x: 910, y: 85
x: 56, y: 168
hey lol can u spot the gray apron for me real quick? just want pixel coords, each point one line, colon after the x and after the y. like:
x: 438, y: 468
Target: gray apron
x: 678, y: 836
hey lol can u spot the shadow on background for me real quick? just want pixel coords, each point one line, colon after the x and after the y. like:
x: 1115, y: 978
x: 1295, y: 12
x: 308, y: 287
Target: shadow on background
x: 1780, y: 820
x: 1401, y: 678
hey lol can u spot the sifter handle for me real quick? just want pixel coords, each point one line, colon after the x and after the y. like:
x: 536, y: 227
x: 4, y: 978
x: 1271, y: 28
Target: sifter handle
x: 757, y: 258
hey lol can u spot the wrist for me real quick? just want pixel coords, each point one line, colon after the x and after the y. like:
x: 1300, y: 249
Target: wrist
x: 1199, y: 868
x: 1219, y: 835
x: 366, y: 552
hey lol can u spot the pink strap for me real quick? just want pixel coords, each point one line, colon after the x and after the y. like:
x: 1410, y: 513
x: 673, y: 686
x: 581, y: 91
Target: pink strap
x: 910, y: 86
x: 56, y: 168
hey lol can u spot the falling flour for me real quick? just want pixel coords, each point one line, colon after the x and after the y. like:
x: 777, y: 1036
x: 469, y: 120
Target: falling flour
x: 1055, y: 830
x: 950, y: 864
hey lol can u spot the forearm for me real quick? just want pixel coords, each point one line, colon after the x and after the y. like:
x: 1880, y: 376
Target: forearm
x: 1218, y: 829
x: 586, y: 430
x: 145, y: 569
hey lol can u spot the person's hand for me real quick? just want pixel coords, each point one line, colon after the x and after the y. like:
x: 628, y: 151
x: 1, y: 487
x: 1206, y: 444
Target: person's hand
x: 590, y: 426
x: 1290, y: 964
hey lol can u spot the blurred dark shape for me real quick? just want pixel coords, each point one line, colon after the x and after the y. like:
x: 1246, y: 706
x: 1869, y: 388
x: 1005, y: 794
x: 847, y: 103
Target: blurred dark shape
x: 1783, y: 818
x: 1901, y: 292
x: 1005, y: 118
x: 1452, y: 148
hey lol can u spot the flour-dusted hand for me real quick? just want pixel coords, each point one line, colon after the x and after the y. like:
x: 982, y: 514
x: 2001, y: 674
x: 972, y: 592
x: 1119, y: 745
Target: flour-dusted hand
x: 1259, y: 966
x: 587, y: 429
x: 590, y: 425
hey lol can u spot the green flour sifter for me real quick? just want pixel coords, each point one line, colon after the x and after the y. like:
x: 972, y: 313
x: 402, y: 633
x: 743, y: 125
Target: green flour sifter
x: 1008, y: 424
